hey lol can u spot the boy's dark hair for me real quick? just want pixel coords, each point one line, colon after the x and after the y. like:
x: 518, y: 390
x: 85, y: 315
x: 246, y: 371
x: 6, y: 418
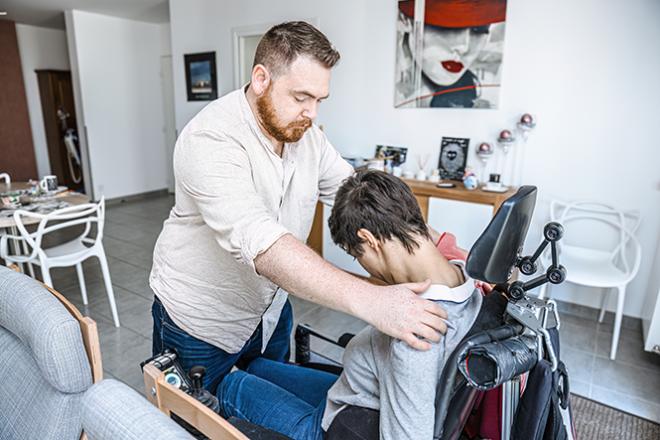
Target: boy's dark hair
x: 283, y: 43
x: 382, y: 204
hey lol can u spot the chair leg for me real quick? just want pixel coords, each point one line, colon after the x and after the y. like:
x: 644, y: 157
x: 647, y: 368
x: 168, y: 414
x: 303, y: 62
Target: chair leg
x: 108, y: 286
x: 17, y: 247
x: 603, y: 303
x: 29, y: 265
x: 45, y: 274
x: 621, y: 296
x: 81, y: 281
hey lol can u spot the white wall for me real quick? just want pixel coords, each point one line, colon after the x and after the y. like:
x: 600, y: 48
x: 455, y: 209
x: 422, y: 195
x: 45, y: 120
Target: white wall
x: 118, y: 69
x: 40, y: 48
x: 585, y: 69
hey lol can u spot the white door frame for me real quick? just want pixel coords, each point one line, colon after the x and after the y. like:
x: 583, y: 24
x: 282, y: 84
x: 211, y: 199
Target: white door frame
x: 239, y: 33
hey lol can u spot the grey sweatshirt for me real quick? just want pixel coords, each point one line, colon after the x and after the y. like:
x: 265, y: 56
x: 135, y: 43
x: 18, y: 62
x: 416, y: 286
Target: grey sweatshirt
x: 388, y: 375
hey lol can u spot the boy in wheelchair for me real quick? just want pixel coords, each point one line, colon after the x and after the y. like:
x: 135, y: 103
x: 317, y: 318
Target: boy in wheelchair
x: 377, y: 220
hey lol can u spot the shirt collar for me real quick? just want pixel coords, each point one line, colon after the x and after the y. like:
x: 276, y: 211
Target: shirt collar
x: 458, y: 294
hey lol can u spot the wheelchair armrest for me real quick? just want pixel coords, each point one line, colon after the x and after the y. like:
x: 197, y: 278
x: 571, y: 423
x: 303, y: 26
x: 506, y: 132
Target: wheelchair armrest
x: 302, y: 338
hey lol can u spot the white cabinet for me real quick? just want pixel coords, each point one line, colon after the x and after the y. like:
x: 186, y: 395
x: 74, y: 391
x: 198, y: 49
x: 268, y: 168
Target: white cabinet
x: 463, y: 219
x: 336, y: 255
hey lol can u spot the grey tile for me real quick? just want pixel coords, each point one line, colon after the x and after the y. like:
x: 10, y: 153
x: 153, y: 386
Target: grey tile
x: 580, y: 388
x: 627, y: 322
x: 642, y: 383
x: 581, y: 336
x: 301, y: 306
x: 627, y: 403
x: 134, y: 311
x: 331, y: 323
x: 577, y: 310
x: 128, y: 369
x: 632, y: 331
x: 578, y: 363
x: 630, y: 350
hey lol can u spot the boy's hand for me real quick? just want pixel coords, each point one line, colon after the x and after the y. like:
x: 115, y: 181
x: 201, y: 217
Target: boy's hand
x: 399, y: 312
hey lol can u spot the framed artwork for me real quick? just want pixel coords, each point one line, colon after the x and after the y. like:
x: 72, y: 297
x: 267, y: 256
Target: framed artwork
x: 453, y: 157
x: 449, y: 53
x: 201, y: 81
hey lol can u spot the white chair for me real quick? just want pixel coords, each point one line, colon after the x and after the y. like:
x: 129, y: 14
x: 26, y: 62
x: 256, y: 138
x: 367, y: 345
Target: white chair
x: 610, y: 269
x: 5, y: 177
x: 71, y: 253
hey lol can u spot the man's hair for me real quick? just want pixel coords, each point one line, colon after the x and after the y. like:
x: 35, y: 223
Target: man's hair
x: 283, y: 43
x: 382, y: 204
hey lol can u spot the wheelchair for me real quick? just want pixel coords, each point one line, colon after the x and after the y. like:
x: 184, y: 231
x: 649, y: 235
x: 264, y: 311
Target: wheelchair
x: 512, y: 334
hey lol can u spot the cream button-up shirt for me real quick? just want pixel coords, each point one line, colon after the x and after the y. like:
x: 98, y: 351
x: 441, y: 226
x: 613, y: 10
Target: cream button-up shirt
x: 234, y: 198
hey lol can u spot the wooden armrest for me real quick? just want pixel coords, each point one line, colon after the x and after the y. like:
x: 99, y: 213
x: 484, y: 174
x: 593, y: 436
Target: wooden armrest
x: 172, y: 400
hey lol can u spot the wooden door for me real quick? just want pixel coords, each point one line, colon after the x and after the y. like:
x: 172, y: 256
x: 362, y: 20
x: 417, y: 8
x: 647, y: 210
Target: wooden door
x: 56, y: 93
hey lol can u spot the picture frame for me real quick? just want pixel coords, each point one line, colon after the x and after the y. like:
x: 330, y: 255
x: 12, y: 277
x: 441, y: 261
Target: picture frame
x: 201, y: 79
x: 392, y: 156
x: 453, y: 157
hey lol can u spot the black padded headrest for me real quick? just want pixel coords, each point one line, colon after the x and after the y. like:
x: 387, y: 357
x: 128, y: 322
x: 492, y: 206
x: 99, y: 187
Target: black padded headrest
x: 493, y: 256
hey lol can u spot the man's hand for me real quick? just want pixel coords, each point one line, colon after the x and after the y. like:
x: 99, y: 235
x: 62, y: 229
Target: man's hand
x: 400, y: 313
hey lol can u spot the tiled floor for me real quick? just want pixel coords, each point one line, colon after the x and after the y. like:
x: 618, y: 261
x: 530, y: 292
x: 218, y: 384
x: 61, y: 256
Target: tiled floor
x: 631, y: 383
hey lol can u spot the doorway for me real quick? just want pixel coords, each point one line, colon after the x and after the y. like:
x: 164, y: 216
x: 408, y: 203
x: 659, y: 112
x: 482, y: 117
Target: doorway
x: 169, y: 127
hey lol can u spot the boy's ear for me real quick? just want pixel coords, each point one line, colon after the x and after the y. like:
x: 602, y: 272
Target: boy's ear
x: 368, y: 238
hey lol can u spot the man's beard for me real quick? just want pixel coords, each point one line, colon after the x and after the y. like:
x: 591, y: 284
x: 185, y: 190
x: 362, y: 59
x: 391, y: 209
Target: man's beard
x: 289, y: 133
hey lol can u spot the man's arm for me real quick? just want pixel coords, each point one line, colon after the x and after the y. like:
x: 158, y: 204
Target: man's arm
x: 394, y: 310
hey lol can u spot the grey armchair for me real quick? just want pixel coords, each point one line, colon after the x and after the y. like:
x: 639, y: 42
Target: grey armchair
x: 42, y: 360
x: 47, y: 393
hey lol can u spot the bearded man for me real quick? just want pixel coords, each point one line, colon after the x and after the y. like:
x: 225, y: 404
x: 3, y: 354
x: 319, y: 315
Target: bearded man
x: 249, y: 170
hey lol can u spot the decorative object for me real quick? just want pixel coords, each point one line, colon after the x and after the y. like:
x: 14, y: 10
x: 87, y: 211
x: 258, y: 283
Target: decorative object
x: 470, y: 180
x: 525, y: 125
x: 485, y: 152
x: 201, y: 81
x: 449, y: 53
x: 453, y: 157
x: 392, y: 156
x: 494, y: 184
x: 435, y: 176
x: 422, y: 161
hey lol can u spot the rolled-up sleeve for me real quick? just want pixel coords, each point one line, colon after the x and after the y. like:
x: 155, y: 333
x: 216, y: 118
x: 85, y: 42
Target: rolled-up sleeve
x: 333, y: 170
x: 216, y: 173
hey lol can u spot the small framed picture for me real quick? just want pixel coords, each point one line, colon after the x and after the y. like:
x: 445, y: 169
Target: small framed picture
x: 392, y: 156
x: 201, y: 81
x: 453, y: 157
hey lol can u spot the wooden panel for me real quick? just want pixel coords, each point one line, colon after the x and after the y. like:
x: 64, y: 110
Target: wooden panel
x: 459, y: 193
x: 423, y: 202
x: 315, y: 239
x: 16, y: 148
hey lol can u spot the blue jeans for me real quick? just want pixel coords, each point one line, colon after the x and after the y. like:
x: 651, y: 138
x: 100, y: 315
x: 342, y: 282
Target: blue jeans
x: 286, y: 398
x: 218, y: 363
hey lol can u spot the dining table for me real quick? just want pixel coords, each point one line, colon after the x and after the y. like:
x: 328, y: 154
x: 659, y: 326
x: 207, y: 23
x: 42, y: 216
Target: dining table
x: 69, y: 198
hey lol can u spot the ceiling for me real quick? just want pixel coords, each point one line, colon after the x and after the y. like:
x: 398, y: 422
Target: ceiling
x: 49, y: 13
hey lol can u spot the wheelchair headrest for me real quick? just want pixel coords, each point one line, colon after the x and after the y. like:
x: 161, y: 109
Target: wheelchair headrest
x: 494, y: 254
